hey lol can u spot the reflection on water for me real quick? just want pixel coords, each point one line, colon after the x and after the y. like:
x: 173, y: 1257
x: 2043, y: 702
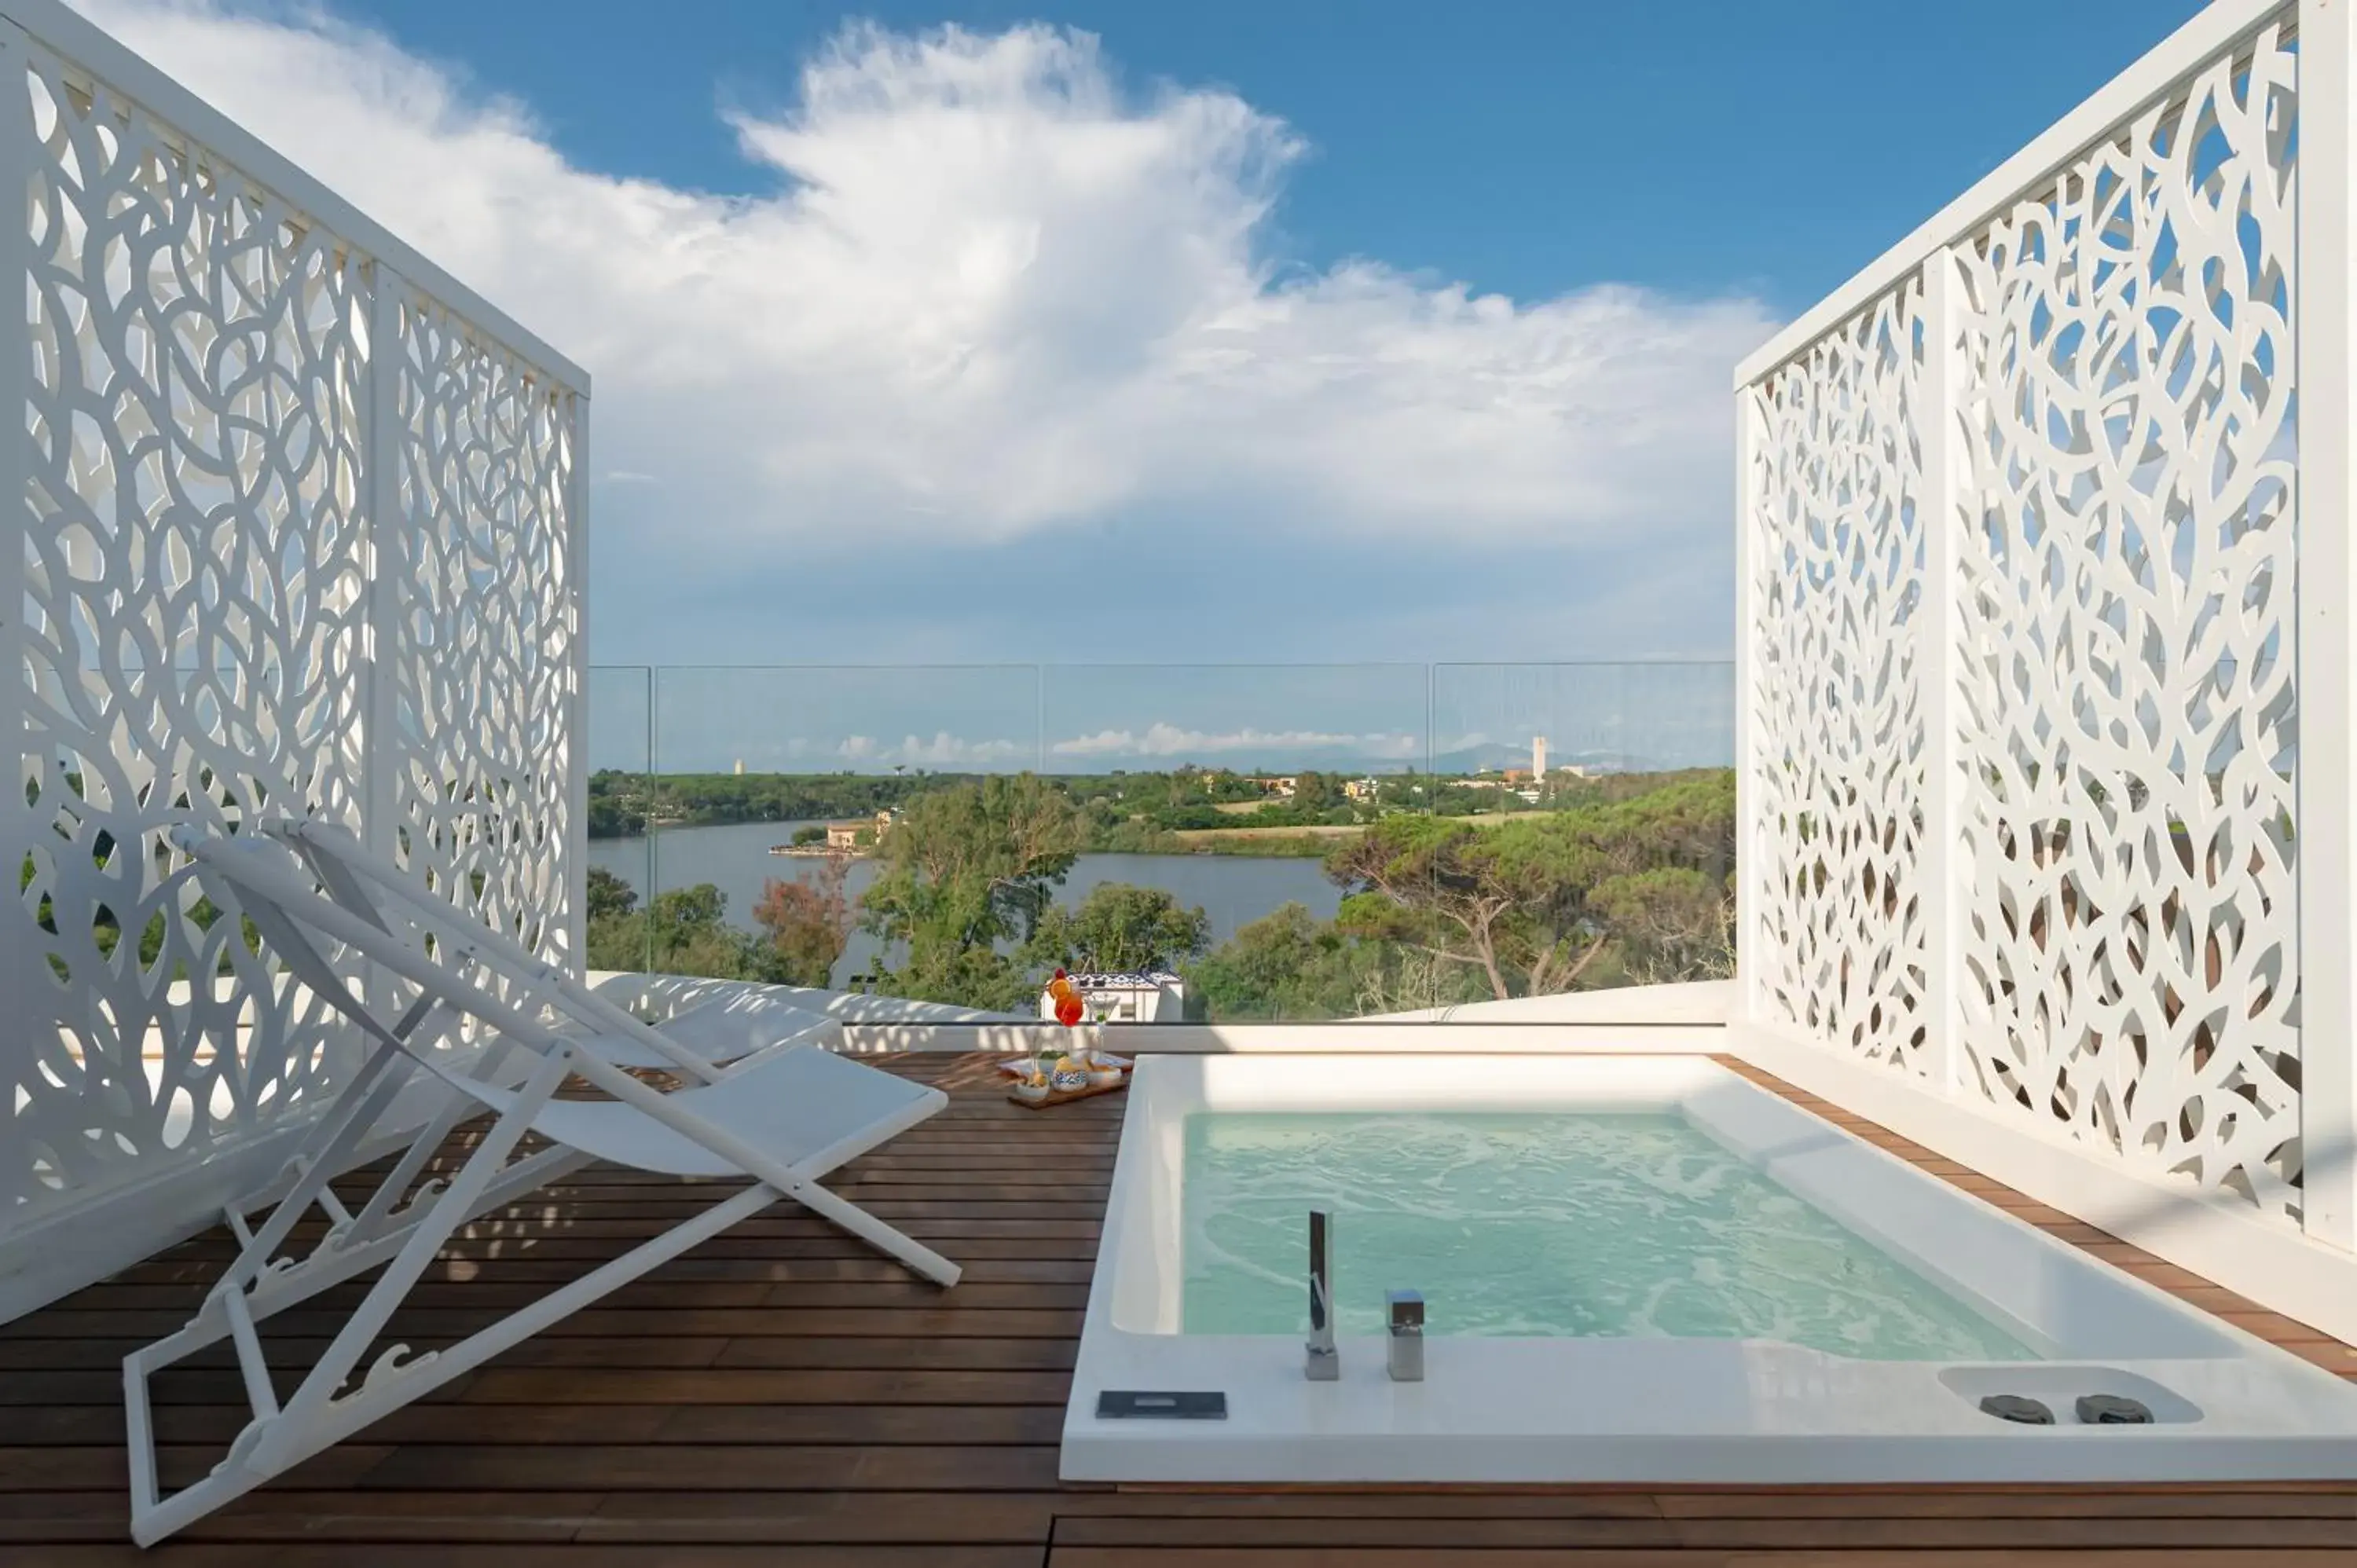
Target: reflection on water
x: 1541, y: 1225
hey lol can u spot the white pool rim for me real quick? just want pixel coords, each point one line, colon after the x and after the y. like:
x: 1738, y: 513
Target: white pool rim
x: 2228, y: 1406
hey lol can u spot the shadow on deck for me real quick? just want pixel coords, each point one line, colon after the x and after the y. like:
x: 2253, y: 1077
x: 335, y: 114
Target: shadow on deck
x: 781, y: 1396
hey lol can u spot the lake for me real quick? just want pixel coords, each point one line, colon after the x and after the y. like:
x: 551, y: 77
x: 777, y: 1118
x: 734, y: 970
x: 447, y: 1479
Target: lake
x: 1232, y: 890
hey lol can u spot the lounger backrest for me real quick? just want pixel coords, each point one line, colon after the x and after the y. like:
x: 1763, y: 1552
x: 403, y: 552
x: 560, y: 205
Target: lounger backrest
x: 262, y: 880
x: 361, y: 879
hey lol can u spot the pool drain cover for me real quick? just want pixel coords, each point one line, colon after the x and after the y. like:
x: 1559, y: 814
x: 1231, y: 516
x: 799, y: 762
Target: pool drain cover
x: 2112, y: 1410
x: 2013, y: 1407
x: 1122, y: 1404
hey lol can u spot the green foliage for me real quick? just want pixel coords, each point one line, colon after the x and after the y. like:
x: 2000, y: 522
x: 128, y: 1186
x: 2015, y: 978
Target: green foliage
x: 616, y: 804
x: 1287, y: 964
x: 683, y: 931
x: 811, y: 833
x: 1670, y: 923
x: 1535, y: 903
x: 965, y: 869
x: 609, y: 895
x: 1120, y: 927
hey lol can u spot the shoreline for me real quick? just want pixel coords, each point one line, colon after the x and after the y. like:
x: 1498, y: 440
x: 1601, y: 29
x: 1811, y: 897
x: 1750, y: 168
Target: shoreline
x: 1246, y: 843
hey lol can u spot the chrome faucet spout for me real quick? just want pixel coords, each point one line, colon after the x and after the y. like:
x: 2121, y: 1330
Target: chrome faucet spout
x: 1323, y: 1363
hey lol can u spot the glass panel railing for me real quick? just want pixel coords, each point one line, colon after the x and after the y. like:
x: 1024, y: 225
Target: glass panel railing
x: 1609, y: 791
x: 777, y: 788
x: 1292, y: 842
x: 1219, y: 801
x: 621, y: 794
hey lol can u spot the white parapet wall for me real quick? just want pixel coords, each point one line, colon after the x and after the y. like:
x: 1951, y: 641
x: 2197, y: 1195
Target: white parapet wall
x: 2045, y: 696
x: 299, y: 527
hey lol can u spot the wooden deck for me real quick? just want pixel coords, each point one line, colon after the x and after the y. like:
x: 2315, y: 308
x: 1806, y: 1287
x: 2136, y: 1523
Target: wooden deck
x: 780, y: 1397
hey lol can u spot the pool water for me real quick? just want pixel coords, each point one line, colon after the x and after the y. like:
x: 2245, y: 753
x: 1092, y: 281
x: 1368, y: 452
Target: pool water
x: 1553, y: 1225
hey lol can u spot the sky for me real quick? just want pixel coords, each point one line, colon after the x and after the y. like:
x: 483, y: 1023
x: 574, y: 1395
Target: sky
x: 1343, y: 332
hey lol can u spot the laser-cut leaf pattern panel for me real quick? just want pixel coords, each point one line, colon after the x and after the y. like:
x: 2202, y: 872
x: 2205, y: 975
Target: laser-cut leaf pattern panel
x: 1836, y: 753
x: 484, y: 651
x: 192, y: 564
x: 2126, y: 690
x: 216, y: 625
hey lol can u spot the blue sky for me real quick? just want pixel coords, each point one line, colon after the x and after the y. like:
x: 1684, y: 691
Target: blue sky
x: 1527, y: 147
x: 1113, y: 334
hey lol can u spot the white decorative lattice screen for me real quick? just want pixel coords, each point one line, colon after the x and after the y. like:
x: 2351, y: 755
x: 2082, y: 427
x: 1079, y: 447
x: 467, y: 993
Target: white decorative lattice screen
x: 2124, y: 640
x: 1834, y: 482
x: 298, y: 532
x: 2078, y: 408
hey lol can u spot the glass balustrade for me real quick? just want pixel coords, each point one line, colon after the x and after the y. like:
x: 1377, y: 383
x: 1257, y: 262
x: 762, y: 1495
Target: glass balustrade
x: 1290, y: 842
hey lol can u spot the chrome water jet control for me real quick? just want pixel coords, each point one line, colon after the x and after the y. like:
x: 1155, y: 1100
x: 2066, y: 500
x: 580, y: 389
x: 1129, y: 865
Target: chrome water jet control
x: 1323, y: 1363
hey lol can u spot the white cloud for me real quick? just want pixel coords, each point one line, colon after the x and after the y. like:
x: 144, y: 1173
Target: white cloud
x: 1170, y: 740
x: 944, y: 750
x: 986, y: 295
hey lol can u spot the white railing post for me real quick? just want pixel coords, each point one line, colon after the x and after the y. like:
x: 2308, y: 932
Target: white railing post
x: 1746, y: 796
x: 2326, y: 839
x: 24, y: 1014
x: 1939, y: 523
x: 574, y: 849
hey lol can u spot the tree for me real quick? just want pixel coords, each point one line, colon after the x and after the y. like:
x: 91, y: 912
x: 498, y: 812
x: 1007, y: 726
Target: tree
x: 1439, y: 886
x: 683, y: 931
x: 683, y: 911
x: 1120, y: 928
x: 1534, y: 903
x: 965, y: 869
x: 1315, y: 791
x: 805, y: 924
x: 810, y: 833
x: 1670, y: 924
x: 608, y: 895
x: 1287, y: 964
x: 1412, y: 980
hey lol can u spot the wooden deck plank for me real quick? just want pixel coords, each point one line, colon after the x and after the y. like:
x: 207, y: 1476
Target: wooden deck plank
x: 375, y: 1552
x: 781, y: 1395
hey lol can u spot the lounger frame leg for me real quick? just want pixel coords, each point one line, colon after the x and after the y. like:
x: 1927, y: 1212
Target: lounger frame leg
x: 320, y: 1415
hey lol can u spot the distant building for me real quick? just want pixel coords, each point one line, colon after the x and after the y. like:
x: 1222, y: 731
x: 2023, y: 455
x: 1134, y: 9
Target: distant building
x: 1517, y: 775
x: 1538, y: 756
x: 858, y: 832
x: 1362, y: 788
x: 740, y: 768
x: 1157, y: 996
x: 1282, y: 788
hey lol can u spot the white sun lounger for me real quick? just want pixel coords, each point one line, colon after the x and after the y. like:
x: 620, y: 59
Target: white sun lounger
x: 785, y: 1116
x: 382, y: 894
